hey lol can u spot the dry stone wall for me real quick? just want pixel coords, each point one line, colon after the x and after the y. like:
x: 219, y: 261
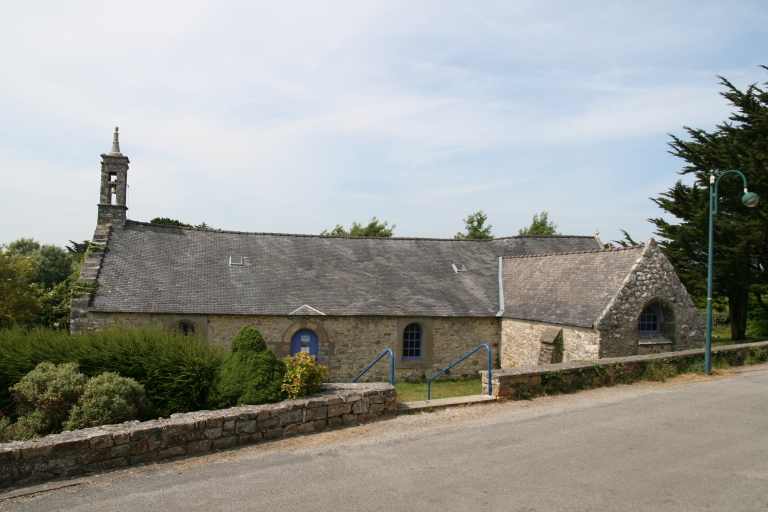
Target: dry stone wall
x: 101, y: 448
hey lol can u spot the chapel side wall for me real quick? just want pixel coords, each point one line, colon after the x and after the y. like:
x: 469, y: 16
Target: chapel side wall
x: 351, y: 343
x: 521, y: 342
x: 652, y: 281
x: 347, y: 344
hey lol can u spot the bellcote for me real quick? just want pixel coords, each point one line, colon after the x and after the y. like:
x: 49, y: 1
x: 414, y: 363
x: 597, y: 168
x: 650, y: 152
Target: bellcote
x: 114, y: 186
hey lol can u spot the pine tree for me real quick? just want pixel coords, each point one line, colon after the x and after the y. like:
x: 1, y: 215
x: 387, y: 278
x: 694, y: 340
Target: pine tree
x: 740, y: 234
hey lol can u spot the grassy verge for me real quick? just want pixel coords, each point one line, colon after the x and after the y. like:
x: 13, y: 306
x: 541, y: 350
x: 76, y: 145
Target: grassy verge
x: 721, y: 335
x: 415, y: 391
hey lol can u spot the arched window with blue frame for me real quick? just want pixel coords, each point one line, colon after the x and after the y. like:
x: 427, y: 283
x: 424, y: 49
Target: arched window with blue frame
x: 412, y: 341
x: 650, y: 320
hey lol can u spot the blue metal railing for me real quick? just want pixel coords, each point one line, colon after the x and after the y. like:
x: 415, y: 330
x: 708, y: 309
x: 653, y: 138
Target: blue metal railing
x: 391, y: 366
x: 429, y: 382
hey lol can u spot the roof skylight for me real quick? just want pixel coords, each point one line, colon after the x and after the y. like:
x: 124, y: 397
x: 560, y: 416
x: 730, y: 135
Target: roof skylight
x: 459, y: 267
x: 236, y: 260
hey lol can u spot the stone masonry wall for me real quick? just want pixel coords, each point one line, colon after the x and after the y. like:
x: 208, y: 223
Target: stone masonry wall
x: 527, y: 382
x: 652, y: 281
x: 112, y: 446
x: 520, y: 342
x: 347, y: 344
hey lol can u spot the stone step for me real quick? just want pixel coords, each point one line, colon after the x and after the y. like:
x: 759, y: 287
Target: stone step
x: 438, y: 403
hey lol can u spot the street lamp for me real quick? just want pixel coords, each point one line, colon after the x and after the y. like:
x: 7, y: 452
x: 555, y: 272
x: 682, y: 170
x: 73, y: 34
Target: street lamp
x: 750, y: 200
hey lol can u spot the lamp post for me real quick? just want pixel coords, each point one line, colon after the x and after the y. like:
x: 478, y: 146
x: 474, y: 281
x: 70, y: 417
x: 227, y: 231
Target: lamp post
x: 750, y: 200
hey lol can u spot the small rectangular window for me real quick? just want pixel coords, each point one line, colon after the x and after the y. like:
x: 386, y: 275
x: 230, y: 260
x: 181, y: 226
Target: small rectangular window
x: 459, y: 267
x: 236, y: 260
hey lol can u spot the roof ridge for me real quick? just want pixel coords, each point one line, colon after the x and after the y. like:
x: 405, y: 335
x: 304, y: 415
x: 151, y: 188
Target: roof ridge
x: 586, y: 251
x: 189, y: 228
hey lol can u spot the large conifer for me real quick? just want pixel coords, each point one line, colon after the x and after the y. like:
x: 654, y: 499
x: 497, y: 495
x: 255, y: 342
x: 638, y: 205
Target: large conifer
x: 741, y: 234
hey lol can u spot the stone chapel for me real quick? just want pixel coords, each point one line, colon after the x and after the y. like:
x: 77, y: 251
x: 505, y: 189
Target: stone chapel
x: 533, y: 299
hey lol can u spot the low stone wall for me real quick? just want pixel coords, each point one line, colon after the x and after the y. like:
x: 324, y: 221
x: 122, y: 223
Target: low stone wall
x: 111, y: 446
x: 530, y: 381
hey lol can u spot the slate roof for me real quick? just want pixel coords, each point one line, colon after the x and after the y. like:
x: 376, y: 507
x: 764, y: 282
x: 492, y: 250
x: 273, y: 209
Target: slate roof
x: 162, y: 269
x: 571, y: 288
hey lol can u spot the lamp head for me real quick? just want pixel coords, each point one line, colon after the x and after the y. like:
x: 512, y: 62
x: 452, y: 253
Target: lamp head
x: 750, y: 199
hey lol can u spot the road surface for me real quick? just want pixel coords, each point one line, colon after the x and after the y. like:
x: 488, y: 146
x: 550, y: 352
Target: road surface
x: 695, y: 443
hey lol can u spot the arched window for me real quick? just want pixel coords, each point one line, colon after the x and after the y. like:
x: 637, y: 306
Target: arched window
x: 649, y: 320
x: 412, y: 338
x: 185, y: 328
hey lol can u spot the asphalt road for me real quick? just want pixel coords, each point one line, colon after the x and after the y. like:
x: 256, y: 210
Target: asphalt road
x: 694, y: 444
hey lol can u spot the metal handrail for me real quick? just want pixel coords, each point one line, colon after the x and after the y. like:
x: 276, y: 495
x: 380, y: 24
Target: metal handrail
x: 429, y: 382
x: 391, y: 366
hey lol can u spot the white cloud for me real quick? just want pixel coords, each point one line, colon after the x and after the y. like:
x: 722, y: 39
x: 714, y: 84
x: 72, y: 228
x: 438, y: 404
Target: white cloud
x: 296, y: 116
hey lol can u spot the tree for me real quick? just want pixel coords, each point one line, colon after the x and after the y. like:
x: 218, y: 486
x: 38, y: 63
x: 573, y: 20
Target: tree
x: 54, y: 264
x: 18, y: 297
x: 475, y: 227
x: 165, y: 221
x: 373, y: 228
x: 740, y: 249
x: 627, y: 241
x: 539, y: 226
x: 79, y: 250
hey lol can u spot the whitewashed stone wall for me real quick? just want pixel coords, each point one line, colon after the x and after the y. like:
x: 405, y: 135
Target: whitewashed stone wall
x: 520, y: 342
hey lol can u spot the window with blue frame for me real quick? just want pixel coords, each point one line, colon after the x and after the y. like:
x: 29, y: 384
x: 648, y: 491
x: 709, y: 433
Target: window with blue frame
x: 650, y: 320
x: 412, y: 341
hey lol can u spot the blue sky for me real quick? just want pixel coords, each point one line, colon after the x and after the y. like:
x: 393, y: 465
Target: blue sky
x: 296, y: 116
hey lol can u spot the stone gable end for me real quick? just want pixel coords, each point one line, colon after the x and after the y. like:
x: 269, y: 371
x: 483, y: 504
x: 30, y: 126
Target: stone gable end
x: 652, y: 281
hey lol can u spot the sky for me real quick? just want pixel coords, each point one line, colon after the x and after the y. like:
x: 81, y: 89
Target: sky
x: 294, y: 117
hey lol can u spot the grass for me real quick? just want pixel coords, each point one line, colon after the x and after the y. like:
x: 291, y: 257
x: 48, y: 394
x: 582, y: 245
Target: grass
x: 721, y: 335
x: 415, y: 391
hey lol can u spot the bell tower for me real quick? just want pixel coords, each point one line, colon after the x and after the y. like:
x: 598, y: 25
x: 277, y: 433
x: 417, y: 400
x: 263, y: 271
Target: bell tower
x: 114, y: 184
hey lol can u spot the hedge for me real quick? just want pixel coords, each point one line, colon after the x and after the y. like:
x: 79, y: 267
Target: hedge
x: 176, y: 371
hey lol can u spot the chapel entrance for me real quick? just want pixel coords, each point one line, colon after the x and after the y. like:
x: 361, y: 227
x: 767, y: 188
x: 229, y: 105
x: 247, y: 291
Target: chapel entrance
x: 305, y: 341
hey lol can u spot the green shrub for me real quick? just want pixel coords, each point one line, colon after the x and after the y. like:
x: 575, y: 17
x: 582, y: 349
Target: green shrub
x: 5, y: 422
x: 659, y: 371
x: 723, y: 360
x: 107, y: 399
x: 176, y: 371
x: 250, y: 374
x: 303, y: 375
x: 721, y: 318
x: 45, y: 396
x: 22, y: 430
x: 695, y: 366
x: 757, y: 328
x: 756, y: 355
x: 17, y: 431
